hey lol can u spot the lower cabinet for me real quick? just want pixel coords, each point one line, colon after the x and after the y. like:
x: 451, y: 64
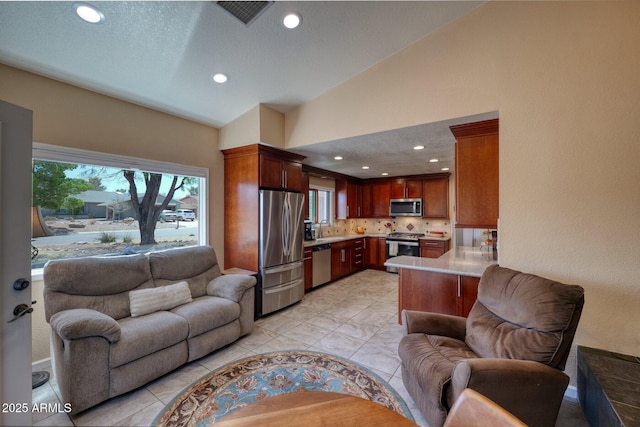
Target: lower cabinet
x: 346, y: 257
x: 308, y: 268
x: 375, y: 252
x: 434, y: 248
x: 436, y: 292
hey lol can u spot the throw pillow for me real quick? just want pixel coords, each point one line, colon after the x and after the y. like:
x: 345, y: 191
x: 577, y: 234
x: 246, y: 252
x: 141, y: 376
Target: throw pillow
x: 145, y: 301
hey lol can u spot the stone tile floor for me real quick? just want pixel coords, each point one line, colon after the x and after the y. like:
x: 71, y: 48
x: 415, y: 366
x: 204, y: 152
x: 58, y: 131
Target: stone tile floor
x: 355, y: 318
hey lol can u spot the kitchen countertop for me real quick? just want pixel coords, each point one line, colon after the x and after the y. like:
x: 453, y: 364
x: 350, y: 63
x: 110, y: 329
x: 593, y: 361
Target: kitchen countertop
x: 462, y: 260
x: 334, y: 239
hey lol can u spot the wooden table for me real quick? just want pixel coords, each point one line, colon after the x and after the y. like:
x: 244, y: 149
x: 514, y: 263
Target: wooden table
x: 314, y: 408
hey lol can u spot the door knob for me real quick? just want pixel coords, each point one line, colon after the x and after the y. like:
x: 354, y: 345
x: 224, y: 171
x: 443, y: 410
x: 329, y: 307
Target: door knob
x: 20, y: 310
x: 21, y: 284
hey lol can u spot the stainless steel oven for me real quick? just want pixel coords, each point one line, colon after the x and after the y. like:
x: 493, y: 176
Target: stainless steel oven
x: 399, y: 244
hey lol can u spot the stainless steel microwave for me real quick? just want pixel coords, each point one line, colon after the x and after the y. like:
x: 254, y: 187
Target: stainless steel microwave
x: 405, y: 207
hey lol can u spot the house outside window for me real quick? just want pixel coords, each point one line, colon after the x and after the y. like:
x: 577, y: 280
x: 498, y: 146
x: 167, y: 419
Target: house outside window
x: 83, y: 204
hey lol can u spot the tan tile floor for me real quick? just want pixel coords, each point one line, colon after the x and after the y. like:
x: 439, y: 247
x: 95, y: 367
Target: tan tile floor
x: 355, y: 318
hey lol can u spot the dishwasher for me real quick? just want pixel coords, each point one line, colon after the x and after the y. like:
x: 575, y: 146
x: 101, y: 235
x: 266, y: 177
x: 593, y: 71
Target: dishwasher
x: 321, y: 264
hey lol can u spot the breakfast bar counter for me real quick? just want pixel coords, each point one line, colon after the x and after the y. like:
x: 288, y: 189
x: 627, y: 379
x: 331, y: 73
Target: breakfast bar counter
x: 447, y: 285
x: 464, y: 260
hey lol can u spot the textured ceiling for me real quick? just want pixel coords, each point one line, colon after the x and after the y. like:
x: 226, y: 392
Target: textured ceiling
x: 163, y: 54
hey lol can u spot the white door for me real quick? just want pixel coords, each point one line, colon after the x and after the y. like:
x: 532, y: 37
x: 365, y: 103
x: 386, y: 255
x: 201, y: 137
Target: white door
x: 15, y: 263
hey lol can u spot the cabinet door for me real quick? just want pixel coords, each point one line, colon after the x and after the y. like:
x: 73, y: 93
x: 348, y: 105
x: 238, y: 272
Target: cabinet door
x: 354, y: 200
x: 431, y: 248
x: 270, y: 172
x: 367, y: 211
x: 305, y: 192
x: 308, y: 268
x: 468, y: 294
x: 413, y: 189
x: 380, y: 195
x: 436, y: 198
x: 428, y: 291
x: 477, y: 183
x: 397, y: 189
x: 371, y: 252
x: 292, y: 175
x: 382, y: 252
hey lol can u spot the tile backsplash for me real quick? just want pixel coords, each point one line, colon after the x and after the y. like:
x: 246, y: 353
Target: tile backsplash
x: 377, y: 226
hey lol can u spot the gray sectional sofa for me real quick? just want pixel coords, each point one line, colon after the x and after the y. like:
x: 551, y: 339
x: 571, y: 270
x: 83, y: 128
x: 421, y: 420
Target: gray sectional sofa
x: 118, y: 322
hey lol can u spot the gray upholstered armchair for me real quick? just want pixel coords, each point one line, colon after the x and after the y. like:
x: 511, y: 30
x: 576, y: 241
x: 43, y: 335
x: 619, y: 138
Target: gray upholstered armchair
x: 512, y: 348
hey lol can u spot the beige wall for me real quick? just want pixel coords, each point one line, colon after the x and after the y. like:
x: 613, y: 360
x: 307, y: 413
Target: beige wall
x: 564, y: 77
x: 69, y: 116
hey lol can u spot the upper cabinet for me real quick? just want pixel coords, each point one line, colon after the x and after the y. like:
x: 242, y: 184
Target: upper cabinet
x: 406, y: 188
x: 435, y: 203
x: 370, y: 198
x: 477, y: 189
x: 280, y: 173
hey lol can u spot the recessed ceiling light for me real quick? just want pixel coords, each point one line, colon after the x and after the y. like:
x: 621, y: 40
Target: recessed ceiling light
x: 385, y: 173
x: 88, y: 13
x: 445, y: 169
x: 292, y: 20
x: 434, y: 160
x: 365, y: 167
x: 338, y: 158
x: 419, y: 147
x: 220, y: 78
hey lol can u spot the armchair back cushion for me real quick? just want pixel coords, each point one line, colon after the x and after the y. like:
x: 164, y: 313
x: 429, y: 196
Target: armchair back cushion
x: 523, y: 316
x: 101, y: 286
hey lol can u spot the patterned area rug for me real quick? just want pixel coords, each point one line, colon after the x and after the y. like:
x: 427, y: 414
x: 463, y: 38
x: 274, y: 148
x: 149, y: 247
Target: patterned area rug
x: 245, y: 381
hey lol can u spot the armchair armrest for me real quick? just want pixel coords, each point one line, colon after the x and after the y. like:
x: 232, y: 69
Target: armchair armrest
x: 529, y: 390
x: 230, y: 286
x: 82, y: 322
x: 421, y: 322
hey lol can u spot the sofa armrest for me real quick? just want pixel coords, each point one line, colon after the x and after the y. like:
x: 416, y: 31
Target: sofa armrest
x: 230, y: 286
x: 422, y: 322
x: 81, y: 323
x: 529, y: 390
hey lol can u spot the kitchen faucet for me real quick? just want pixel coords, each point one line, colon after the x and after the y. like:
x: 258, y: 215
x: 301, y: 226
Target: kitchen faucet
x: 324, y: 221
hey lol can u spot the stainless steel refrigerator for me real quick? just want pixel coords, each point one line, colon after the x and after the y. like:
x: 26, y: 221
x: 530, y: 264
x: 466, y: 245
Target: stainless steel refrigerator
x: 281, y: 250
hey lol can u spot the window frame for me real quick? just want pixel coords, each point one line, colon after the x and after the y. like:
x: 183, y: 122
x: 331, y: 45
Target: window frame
x: 56, y: 153
x: 331, y: 199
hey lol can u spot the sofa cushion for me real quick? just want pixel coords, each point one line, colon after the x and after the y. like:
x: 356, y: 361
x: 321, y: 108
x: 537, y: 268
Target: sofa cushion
x: 197, y: 265
x: 144, y: 335
x: 206, y: 313
x: 145, y: 301
x: 521, y: 316
x: 96, y: 283
x: 430, y: 359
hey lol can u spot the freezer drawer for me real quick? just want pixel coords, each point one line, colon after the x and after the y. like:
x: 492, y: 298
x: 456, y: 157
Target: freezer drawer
x: 275, y: 276
x: 277, y: 297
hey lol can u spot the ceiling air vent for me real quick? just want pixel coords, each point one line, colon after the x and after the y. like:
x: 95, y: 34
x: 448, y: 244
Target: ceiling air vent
x: 245, y: 11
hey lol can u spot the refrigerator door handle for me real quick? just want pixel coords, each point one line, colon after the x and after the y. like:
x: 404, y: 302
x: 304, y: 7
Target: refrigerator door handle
x: 283, y: 268
x: 285, y: 228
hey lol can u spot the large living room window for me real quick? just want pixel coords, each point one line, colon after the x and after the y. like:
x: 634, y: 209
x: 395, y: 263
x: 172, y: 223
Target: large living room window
x: 83, y: 204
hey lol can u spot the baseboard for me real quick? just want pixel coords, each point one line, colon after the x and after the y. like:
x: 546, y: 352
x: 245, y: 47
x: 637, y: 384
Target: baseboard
x: 571, y: 392
x: 41, y: 365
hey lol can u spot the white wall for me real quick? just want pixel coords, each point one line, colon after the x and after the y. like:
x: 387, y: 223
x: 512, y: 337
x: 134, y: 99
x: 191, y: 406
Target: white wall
x: 564, y: 77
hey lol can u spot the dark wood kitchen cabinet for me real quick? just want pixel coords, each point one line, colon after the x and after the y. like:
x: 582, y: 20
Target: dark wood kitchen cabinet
x: 436, y: 197
x: 346, y: 257
x: 434, y: 248
x: 375, y: 250
x: 436, y: 292
x: 477, y: 184
x: 406, y: 188
x: 380, y: 196
x: 349, y: 200
x: 308, y: 268
x: 279, y: 173
x: 247, y: 169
